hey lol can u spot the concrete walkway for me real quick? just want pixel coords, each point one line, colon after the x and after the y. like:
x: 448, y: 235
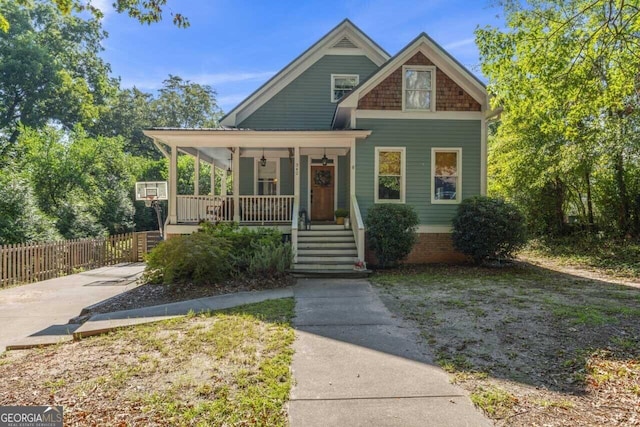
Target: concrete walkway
x: 357, y: 365
x: 44, y: 308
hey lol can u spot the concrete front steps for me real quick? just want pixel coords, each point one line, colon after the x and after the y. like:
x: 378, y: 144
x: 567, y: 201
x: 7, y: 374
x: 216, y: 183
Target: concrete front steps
x: 327, y: 251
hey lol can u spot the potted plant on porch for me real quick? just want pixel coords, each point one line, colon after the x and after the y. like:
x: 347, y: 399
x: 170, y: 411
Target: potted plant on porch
x: 341, y: 214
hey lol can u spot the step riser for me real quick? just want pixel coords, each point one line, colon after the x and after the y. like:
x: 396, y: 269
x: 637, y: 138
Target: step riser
x: 327, y: 252
x: 327, y: 227
x: 317, y: 260
x: 322, y: 246
x: 327, y: 233
x: 320, y: 267
x: 325, y: 239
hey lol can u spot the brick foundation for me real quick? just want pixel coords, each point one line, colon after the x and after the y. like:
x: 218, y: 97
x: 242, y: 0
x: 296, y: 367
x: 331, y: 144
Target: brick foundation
x: 431, y: 248
x: 388, y: 94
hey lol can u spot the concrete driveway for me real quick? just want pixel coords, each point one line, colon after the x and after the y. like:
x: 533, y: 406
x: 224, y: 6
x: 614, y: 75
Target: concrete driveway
x: 41, y: 307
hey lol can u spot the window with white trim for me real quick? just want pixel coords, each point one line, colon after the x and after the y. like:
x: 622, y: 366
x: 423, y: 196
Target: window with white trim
x: 446, y: 175
x: 267, y: 177
x: 389, y: 175
x: 418, y: 87
x: 341, y: 84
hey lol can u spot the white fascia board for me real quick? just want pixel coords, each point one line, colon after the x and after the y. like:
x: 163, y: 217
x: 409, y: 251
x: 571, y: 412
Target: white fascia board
x: 439, y: 59
x: 257, y: 139
x: 419, y: 115
x: 323, y: 47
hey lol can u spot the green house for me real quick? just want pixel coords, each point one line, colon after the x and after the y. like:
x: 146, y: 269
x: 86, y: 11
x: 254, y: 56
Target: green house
x: 344, y: 125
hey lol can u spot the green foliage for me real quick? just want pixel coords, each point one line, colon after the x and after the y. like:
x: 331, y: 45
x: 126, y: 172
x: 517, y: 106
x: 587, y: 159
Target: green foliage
x: 147, y: 12
x: 341, y: 213
x: 84, y: 182
x: 270, y: 259
x: 201, y: 258
x: 391, y: 230
x: 218, y: 252
x: 20, y: 218
x: 51, y: 70
x: 488, y: 228
x: 565, y: 74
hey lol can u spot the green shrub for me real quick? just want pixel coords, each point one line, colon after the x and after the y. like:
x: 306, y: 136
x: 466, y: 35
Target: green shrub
x: 488, y: 228
x: 200, y: 258
x: 270, y: 259
x: 341, y: 213
x: 391, y: 230
x: 243, y: 242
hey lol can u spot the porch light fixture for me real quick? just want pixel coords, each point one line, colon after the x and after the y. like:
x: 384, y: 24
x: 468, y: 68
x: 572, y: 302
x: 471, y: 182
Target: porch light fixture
x: 324, y: 158
x: 263, y: 161
x: 230, y: 161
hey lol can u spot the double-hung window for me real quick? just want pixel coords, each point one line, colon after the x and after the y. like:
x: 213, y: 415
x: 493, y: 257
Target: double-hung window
x: 446, y: 175
x: 418, y: 87
x: 267, y: 183
x: 341, y: 84
x: 390, y: 174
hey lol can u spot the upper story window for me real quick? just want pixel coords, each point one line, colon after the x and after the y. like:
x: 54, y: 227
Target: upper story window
x: 446, y: 176
x: 418, y: 88
x: 341, y: 84
x: 389, y: 174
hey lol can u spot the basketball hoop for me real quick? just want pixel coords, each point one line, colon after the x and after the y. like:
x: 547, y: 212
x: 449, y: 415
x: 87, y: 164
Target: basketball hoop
x: 151, y: 193
x: 150, y: 199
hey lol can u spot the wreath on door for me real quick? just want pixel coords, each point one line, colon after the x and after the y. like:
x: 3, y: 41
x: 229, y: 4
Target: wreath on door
x: 322, y: 178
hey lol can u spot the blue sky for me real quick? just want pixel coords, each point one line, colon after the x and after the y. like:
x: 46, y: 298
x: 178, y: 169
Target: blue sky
x: 236, y: 45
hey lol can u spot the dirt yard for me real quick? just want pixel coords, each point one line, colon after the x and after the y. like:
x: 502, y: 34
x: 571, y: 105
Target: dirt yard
x: 228, y: 368
x: 533, y: 346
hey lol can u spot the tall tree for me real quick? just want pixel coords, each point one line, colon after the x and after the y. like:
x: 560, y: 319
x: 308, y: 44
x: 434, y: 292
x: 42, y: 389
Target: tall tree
x: 566, y: 74
x: 146, y: 12
x: 50, y: 70
x: 182, y: 103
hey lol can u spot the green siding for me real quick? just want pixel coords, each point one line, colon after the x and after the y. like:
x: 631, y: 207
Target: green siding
x: 306, y: 102
x: 419, y: 136
x: 247, y: 170
x: 343, y: 182
x: 286, y: 177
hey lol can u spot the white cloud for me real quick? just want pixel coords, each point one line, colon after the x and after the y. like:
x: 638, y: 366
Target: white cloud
x: 460, y: 43
x: 212, y: 79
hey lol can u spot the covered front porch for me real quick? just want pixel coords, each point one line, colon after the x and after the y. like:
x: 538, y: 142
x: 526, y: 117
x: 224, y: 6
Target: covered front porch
x: 262, y: 178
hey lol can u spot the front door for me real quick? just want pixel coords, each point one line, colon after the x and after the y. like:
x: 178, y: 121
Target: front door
x: 322, y: 195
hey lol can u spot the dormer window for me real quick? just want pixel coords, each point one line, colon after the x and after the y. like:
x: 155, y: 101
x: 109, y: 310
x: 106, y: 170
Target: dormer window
x: 341, y: 84
x: 418, y: 88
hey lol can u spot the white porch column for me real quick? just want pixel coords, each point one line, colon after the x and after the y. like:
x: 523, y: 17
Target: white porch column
x: 173, y: 186
x: 223, y: 183
x: 296, y: 203
x: 352, y: 169
x: 296, y: 176
x: 196, y: 175
x: 236, y: 184
x: 213, y: 179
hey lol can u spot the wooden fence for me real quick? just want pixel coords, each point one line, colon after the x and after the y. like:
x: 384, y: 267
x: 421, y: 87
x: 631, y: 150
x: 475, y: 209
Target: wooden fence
x: 32, y: 262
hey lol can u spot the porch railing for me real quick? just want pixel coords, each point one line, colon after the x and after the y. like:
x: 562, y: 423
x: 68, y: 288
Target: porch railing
x: 261, y: 209
x: 357, y: 227
x: 253, y: 209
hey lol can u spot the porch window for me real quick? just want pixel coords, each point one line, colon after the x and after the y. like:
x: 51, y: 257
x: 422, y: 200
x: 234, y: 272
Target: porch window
x: 341, y: 84
x: 446, y: 175
x: 418, y: 83
x: 267, y: 175
x: 390, y: 174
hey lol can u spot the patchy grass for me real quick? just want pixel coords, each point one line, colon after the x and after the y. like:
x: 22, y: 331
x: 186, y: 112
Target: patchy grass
x: 617, y: 258
x: 224, y: 368
x: 532, y: 346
